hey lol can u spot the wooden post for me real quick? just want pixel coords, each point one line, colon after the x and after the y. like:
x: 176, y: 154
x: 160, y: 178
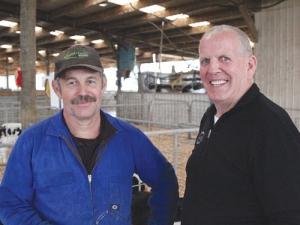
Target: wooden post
x: 28, y: 110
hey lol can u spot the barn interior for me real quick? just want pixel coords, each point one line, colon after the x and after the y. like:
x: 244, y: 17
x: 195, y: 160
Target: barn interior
x: 156, y: 50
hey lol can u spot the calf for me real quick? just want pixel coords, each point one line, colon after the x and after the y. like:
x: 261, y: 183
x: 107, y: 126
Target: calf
x: 9, y: 132
x: 140, y: 210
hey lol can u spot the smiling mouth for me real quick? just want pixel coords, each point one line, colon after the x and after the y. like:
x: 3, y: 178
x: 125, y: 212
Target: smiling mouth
x: 218, y: 82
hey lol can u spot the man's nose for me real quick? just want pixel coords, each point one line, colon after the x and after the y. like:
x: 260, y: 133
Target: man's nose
x: 214, y: 67
x: 82, y: 89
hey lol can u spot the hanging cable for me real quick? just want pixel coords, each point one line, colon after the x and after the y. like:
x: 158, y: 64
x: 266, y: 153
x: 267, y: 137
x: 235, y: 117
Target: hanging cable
x: 161, y: 44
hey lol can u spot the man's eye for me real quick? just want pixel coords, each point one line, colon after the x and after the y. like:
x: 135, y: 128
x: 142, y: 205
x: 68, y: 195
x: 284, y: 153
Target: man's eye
x: 91, y: 81
x: 72, y: 82
x: 204, y: 61
x: 224, y: 58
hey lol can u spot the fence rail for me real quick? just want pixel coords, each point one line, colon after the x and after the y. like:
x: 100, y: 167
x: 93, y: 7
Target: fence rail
x: 175, y: 144
x: 171, y: 121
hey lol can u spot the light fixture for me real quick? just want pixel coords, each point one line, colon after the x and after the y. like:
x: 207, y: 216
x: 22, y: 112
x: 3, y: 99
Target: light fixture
x: 152, y: 9
x: 18, y: 32
x: 38, y: 28
x: 56, y: 32
x: 122, y: 2
x: 55, y: 54
x: 77, y: 37
x: 103, y: 4
x: 6, y: 23
x: 97, y: 41
x: 42, y: 52
x: 199, y: 24
x: 6, y: 46
x: 177, y: 16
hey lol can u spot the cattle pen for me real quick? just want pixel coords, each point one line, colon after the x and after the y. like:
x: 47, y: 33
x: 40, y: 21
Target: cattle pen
x: 169, y: 120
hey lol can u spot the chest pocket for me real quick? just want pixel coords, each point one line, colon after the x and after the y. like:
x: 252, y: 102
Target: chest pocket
x: 119, y: 200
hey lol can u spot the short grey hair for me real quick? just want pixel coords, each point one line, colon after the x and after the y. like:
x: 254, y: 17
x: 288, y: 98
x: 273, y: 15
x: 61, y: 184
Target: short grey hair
x: 244, y: 47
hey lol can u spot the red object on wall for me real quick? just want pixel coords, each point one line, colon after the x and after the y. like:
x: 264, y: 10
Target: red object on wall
x: 19, y: 79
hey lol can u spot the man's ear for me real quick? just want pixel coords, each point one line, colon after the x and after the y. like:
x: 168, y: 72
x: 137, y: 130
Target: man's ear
x: 104, y: 84
x: 56, y: 88
x: 252, y: 64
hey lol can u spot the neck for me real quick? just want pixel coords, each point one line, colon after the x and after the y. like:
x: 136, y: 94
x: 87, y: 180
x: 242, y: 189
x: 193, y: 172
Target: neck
x: 221, y: 109
x: 87, y: 129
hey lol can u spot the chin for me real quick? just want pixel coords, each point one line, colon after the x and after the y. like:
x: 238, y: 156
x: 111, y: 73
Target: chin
x: 215, y: 99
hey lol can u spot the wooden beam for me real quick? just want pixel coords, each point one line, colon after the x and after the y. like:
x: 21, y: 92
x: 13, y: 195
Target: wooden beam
x: 249, y: 21
x: 74, y: 6
x: 142, y: 21
x: 9, y: 30
x: 117, y: 11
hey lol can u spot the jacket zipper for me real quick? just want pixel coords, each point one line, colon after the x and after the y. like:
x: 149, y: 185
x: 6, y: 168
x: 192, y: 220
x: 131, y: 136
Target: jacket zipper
x: 209, y: 132
x: 90, y: 181
x: 89, y: 176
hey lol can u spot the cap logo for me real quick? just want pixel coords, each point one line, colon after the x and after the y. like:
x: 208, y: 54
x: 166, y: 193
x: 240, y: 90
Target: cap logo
x: 76, y: 54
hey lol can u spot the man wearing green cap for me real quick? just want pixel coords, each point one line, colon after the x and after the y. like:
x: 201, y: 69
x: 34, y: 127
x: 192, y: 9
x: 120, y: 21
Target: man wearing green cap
x: 76, y: 167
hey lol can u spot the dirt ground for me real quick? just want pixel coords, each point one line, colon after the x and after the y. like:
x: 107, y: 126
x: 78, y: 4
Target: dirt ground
x: 165, y: 143
x: 3, y: 161
x: 2, y: 167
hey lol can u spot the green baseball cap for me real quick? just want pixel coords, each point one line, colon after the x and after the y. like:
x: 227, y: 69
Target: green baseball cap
x: 77, y: 56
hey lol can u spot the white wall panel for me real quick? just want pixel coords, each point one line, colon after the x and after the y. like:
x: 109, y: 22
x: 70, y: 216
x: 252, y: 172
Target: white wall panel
x: 278, y: 53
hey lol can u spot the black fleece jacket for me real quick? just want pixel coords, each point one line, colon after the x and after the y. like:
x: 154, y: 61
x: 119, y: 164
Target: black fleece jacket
x: 245, y: 169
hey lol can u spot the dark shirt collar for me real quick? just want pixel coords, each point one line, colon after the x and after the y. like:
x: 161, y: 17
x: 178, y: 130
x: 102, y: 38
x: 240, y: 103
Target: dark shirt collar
x: 248, y: 97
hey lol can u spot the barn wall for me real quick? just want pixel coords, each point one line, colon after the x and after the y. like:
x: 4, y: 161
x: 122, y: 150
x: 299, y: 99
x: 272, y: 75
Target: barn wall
x: 278, y: 53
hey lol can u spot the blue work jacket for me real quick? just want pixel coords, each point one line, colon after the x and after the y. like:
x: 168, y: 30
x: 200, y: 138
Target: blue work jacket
x: 45, y: 181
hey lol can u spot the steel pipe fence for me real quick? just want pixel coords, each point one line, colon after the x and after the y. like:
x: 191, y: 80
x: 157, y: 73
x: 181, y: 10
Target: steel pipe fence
x: 177, y: 146
x: 176, y: 109
x: 162, y: 108
x: 170, y: 120
x: 173, y: 108
x: 10, y: 112
x: 10, y: 109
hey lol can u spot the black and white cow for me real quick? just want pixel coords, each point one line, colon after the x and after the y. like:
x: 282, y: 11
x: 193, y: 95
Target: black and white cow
x: 9, y: 132
x: 140, y: 210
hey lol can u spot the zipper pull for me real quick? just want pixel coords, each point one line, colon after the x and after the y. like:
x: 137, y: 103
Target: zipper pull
x: 90, y: 181
x: 209, y: 132
x: 90, y: 178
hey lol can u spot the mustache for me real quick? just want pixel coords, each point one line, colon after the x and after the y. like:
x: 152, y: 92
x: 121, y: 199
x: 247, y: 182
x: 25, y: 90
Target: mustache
x: 83, y: 98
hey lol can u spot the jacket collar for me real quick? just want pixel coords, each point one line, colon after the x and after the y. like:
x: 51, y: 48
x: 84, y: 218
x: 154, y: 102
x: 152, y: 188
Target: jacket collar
x: 248, y: 97
x: 58, y: 128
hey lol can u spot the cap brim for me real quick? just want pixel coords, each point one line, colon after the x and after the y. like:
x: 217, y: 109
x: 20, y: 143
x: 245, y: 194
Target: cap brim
x: 97, y: 69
